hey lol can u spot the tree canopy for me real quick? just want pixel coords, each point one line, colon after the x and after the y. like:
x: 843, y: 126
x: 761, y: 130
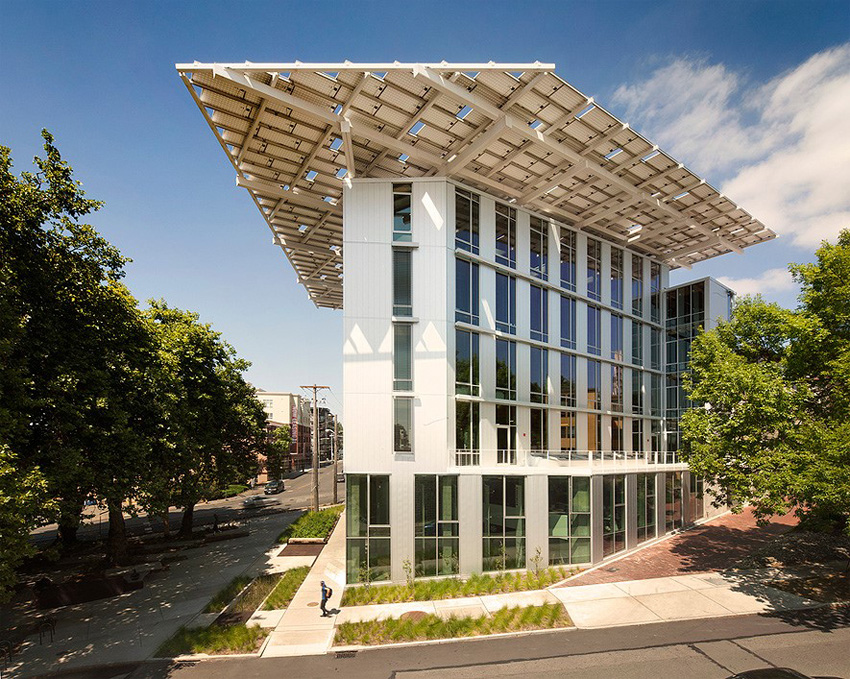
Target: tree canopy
x: 97, y: 397
x: 775, y: 383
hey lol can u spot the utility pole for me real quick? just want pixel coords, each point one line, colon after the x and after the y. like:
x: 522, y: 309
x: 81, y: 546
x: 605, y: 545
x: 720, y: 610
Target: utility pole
x: 336, y: 458
x: 315, y: 388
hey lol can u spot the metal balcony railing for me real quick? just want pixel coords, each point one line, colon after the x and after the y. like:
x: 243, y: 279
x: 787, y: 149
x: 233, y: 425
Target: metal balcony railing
x: 558, y: 457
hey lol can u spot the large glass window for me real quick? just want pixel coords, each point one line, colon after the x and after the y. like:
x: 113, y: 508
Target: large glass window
x: 568, y: 323
x: 568, y: 380
x: 466, y: 293
x: 569, y: 520
x: 402, y: 424
x: 655, y: 441
x: 506, y: 369
x: 655, y: 395
x: 645, y: 507
x: 637, y: 343
x: 504, y: 522
x: 539, y: 248
x: 674, y: 518
x: 594, y: 433
x: 696, y: 499
x: 506, y: 235
x: 655, y: 348
x: 402, y: 232
x: 402, y: 357
x: 505, y: 303
x: 539, y: 430
x: 466, y: 220
x: 437, y: 547
x: 568, y: 259
x: 594, y: 384
x: 568, y: 432
x: 467, y: 430
x: 616, y: 278
x: 539, y: 314
x: 617, y: 436
x: 594, y: 268
x: 402, y: 292
x: 539, y: 374
x: 616, y: 337
x: 617, y: 388
x: 594, y: 330
x: 637, y: 285
x: 655, y: 292
x: 367, y: 526
x: 506, y: 434
x: 613, y: 514
x: 467, y: 379
x: 637, y: 392
x: 637, y: 437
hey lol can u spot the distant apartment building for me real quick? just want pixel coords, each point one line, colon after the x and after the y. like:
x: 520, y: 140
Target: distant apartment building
x: 283, y: 408
x: 512, y: 349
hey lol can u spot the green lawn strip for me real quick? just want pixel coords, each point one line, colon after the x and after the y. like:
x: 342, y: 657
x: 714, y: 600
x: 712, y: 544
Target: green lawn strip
x: 312, y: 524
x: 427, y: 627
x: 215, y: 639
x: 454, y: 588
x: 285, y: 589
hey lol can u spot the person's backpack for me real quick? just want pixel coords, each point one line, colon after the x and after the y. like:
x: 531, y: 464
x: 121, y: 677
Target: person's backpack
x: 330, y: 592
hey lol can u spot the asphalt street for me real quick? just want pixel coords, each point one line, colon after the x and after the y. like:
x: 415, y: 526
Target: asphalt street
x: 298, y: 495
x: 813, y: 642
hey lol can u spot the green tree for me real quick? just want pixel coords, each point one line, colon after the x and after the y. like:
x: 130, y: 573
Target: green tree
x: 775, y: 427
x: 278, y: 452
x: 216, y: 424
x: 78, y: 357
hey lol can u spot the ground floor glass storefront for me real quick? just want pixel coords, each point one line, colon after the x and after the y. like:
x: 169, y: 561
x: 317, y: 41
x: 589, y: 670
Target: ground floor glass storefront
x: 504, y: 522
x: 367, y: 527
x: 569, y: 520
x: 436, y: 525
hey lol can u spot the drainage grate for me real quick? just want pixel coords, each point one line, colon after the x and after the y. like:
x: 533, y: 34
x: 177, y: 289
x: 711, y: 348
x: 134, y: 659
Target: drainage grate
x: 346, y: 654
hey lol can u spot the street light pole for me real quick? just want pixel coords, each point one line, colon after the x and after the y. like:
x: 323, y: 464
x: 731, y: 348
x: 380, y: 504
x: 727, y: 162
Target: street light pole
x: 315, y: 388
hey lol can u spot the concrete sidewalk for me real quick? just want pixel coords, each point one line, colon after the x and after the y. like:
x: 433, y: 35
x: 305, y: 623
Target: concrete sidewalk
x: 684, y: 597
x: 302, y: 630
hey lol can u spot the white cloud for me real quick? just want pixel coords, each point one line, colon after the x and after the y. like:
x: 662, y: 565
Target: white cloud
x: 767, y: 284
x: 781, y: 150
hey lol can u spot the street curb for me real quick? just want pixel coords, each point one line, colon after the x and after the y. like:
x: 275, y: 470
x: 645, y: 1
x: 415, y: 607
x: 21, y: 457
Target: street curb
x: 448, y: 640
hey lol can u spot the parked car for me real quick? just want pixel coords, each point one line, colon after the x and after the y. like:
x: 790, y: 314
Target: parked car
x: 340, y: 478
x: 273, y: 487
x: 775, y: 673
x: 259, y: 501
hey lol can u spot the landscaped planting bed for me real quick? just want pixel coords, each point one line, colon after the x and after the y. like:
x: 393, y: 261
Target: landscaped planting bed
x: 316, y: 525
x: 425, y: 626
x: 285, y: 589
x: 215, y: 639
x: 453, y: 588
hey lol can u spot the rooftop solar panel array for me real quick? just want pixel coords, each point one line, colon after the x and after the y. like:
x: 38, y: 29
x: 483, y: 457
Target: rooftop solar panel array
x: 295, y: 133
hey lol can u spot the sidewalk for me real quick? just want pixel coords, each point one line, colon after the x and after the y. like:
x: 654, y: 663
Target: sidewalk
x: 302, y: 630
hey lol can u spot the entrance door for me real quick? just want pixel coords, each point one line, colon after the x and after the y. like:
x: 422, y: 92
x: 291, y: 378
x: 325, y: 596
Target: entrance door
x: 506, y: 444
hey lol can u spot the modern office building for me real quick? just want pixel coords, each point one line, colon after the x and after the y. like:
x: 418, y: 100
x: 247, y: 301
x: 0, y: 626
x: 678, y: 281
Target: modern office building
x: 507, y: 326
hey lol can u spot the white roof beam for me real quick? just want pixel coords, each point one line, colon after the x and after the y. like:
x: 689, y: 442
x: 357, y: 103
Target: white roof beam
x: 380, y: 67
x: 273, y: 190
x: 472, y: 149
x: 561, y: 174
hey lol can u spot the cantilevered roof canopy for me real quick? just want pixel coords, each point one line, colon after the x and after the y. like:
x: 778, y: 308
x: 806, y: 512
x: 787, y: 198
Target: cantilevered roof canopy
x: 295, y: 132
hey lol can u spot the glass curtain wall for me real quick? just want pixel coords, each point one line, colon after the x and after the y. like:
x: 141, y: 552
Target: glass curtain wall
x: 506, y: 303
x: 645, y: 507
x: 506, y: 369
x: 467, y: 433
x: 466, y: 292
x: 569, y: 520
x: 616, y: 278
x: 568, y: 259
x: 437, y: 545
x: 613, y: 514
x: 539, y: 242
x: 466, y: 220
x: 367, y: 527
x: 402, y: 290
x: 506, y: 235
x: 539, y: 373
x: 504, y: 522
x: 402, y: 232
x: 674, y: 518
x: 467, y: 377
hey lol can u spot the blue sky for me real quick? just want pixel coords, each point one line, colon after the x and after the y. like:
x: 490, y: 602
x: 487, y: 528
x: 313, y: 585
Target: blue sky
x: 753, y: 96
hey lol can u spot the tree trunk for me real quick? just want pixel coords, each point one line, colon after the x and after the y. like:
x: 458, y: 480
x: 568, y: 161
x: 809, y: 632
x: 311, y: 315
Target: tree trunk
x: 118, y: 551
x: 186, y: 522
x: 166, y: 524
x: 70, y: 512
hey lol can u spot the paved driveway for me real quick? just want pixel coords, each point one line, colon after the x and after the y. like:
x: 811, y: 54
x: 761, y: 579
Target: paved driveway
x: 712, y: 546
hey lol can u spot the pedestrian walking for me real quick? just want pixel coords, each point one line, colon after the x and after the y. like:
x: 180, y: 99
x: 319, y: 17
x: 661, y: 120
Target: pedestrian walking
x: 327, y: 593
